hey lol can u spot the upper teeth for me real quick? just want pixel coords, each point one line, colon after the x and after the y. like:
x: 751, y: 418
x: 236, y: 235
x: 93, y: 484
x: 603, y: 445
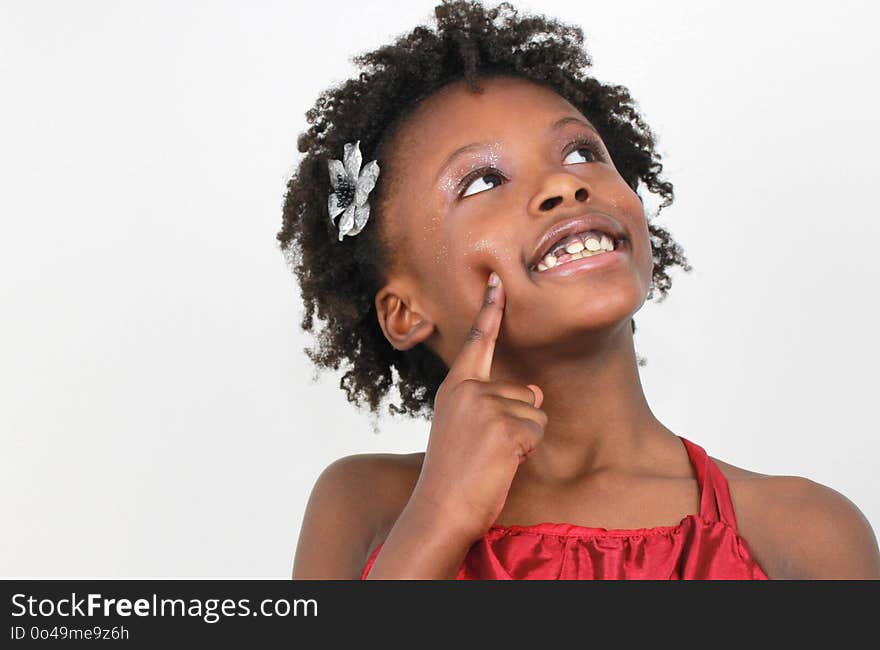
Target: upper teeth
x: 582, y: 245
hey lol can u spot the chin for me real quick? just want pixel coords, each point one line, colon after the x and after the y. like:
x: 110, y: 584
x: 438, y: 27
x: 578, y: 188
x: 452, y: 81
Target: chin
x: 568, y: 320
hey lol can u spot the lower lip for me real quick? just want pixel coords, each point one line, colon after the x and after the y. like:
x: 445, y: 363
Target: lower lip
x: 586, y: 263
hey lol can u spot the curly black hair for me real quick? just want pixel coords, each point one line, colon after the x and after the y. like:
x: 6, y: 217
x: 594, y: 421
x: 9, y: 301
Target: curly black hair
x: 339, y: 280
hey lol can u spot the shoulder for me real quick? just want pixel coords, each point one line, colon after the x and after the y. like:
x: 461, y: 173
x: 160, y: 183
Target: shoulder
x: 371, y: 484
x: 349, y: 506
x: 797, y: 528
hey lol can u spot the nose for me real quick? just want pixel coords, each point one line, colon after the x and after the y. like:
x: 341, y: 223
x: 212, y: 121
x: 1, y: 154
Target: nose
x: 559, y: 189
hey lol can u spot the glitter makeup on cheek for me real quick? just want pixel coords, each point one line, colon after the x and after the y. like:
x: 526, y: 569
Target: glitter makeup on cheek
x: 484, y: 245
x: 491, y: 247
x: 429, y: 232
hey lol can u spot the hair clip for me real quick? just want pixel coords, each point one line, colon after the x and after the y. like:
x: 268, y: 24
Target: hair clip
x: 352, y: 185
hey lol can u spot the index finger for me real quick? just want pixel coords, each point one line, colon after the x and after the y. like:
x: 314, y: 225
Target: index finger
x: 474, y: 361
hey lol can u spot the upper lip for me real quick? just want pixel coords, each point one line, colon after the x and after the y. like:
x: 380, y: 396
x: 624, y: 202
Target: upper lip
x: 561, y: 229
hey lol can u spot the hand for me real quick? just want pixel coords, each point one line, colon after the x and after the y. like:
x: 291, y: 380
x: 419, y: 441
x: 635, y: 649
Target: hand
x: 482, y: 431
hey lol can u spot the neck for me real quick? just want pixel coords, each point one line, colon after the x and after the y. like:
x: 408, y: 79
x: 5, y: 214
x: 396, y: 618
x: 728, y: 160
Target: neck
x: 598, y: 417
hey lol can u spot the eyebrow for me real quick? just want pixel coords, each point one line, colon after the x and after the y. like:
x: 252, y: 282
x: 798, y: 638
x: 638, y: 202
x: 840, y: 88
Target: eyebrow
x: 473, y: 146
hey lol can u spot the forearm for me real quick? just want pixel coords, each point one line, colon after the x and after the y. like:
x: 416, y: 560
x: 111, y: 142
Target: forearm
x: 420, y: 546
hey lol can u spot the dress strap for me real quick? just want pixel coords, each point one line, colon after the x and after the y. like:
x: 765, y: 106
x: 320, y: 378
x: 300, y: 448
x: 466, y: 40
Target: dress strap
x: 715, y: 502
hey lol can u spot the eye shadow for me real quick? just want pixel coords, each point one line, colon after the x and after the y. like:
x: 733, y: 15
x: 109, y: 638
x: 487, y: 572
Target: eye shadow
x: 488, y: 157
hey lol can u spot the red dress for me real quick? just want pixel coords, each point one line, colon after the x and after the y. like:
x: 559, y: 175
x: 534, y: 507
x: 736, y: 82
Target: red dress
x: 701, y: 547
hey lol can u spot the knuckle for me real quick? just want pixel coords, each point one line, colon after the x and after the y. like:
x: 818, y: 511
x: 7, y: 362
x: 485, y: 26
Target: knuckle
x: 476, y: 387
x: 467, y: 390
x: 540, y: 430
x: 532, y: 431
x: 475, y: 334
x: 500, y: 425
x: 534, y: 427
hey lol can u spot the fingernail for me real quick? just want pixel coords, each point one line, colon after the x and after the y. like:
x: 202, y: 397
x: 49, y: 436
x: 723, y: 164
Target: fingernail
x: 494, y: 279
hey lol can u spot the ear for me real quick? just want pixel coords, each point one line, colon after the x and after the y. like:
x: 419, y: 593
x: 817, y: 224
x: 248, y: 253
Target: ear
x: 400, y: 320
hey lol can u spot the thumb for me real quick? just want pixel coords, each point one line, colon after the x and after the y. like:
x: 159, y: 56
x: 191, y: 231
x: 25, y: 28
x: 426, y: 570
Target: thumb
x: 539, y: 395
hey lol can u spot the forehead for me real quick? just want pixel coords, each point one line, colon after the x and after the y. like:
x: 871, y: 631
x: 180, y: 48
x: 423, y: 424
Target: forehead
x: 456, y: 114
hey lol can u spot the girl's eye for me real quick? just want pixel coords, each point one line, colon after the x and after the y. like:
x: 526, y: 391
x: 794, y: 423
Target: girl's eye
x: 482, y: 182
x: 488, y: 178
x: 585, y: 154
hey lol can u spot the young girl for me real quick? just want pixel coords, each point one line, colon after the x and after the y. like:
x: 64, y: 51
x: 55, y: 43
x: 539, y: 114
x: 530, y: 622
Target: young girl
x: 493, y: 252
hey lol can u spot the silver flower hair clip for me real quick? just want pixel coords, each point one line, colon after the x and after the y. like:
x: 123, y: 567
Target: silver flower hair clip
x: 352, y: 185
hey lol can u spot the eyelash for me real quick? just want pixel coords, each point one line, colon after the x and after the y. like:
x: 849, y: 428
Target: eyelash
x: 587, y: 142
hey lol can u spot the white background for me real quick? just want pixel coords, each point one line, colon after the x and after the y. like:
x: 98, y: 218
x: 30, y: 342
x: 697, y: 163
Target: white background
x: 157, y: 412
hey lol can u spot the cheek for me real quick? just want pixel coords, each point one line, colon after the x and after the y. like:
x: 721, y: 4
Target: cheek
x: 441, y: 254
x: 427, y: 243
x: 625, y: 202
x: 477, y: 248
x: 624, y: 199
x: 494, y: 249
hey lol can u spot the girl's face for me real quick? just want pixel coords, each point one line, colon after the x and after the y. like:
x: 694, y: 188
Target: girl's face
x: 477, y: 181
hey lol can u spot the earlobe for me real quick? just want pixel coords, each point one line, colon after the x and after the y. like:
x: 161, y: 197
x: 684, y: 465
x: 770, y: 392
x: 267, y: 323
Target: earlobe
x: 403, y: 326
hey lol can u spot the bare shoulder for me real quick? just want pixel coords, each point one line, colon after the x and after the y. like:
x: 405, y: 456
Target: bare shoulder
x: 348, y: 508
x: 797, y: 528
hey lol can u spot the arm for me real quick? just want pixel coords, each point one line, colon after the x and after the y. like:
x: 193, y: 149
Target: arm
x: 337, y: 528
x: 342, y: 517
x: 422, y: 545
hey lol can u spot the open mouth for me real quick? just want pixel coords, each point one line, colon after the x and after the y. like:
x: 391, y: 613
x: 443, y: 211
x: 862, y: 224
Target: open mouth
x: 577, y: 246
